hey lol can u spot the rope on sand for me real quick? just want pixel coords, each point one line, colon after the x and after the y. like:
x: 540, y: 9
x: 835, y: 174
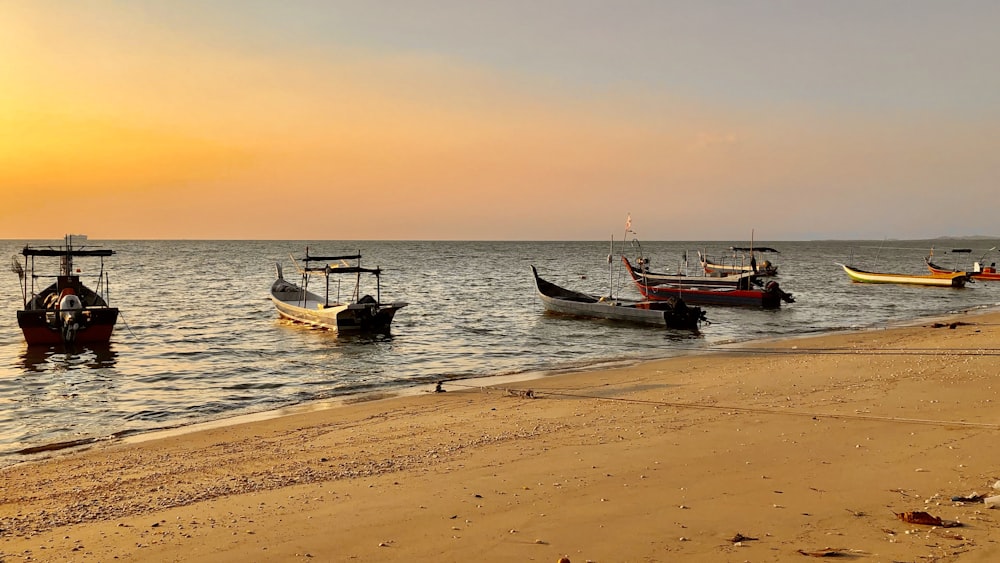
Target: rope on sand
x: 530, y: 393
x: 860, y: 351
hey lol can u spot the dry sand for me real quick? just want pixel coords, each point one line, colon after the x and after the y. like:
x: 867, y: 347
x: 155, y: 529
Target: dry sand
x: 801, y: 447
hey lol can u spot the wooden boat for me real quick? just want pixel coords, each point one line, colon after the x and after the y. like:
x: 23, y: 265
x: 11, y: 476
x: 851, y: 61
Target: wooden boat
x: 979, y: 272
x: 950, y: 279
x: 672, y: 313
x: 67, y: 311
x: 742, y: 280
x: 744, y: 260
x: 353, y: 313
x: 769, y: 297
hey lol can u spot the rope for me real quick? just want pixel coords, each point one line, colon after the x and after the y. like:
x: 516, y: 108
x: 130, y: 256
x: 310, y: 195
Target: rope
x: 751, y: 410
x: 858, y: 352
x: 122, y: 316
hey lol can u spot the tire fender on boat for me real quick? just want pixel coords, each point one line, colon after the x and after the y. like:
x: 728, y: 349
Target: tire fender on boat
x: 70, y: 302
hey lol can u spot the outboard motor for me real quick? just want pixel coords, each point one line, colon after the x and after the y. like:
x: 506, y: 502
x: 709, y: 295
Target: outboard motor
x: 70, y: 310
x: 773, y: 287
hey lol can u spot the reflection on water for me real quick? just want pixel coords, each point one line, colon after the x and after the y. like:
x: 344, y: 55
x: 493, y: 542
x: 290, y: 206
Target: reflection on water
x: 59, y: 358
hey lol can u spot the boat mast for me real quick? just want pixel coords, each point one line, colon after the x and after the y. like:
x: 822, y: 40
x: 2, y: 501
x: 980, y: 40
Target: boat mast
x: 357, y: 280
x: 611, y: 268
x: 326, y: 274
x: 66, y: 263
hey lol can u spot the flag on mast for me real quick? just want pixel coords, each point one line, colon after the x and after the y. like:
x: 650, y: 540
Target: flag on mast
x: 628, y: 222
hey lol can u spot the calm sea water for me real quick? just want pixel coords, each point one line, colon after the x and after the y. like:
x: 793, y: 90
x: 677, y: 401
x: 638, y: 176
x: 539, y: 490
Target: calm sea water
x: 198, y: 339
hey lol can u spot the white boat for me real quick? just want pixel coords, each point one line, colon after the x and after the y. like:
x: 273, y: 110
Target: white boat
x: 742, y: 280
x: 353, y: 313
x: 669, y: 313
x: 743, y: 260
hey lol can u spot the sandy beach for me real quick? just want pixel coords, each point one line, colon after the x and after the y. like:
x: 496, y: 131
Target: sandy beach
x: 776, y: 451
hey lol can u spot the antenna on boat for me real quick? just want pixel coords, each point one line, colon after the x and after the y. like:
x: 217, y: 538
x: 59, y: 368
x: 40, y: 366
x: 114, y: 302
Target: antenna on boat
x: 17, y: 268
x: 877, y: 252
x: 611, y: 268
x: 987, y: 252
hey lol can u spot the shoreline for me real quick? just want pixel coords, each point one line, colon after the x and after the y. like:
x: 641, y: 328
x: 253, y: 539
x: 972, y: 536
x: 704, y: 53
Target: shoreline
x: 44, y: 452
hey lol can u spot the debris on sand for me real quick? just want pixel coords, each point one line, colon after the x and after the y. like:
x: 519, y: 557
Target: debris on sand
x: 920, y: 517
x: 828, y: 552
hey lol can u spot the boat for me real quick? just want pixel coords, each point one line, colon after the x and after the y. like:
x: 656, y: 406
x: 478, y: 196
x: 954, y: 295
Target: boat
x: 674, y: 313
x: 65, y: 312
x: 768, y: 297
x: 353, y: 313
x: 742, y: 280
x: 948, y: 279
x: 744, y: 259
x: 979, y: 272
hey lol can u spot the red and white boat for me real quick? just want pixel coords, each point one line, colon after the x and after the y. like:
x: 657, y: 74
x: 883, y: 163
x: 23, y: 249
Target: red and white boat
x: 978, y: 272
x: 66, y: 311
x: 769, y: 297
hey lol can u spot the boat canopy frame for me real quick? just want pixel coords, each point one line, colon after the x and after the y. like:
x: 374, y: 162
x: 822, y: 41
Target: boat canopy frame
x: 754, y: 249
x: 66, y: 252
x: 327, y: 269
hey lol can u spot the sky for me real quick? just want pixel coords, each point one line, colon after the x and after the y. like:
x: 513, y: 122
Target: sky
x: 513, y: 120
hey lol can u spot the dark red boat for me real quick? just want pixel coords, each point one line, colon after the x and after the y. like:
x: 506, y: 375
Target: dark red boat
x: 768, y: 297
x: 66, y: 311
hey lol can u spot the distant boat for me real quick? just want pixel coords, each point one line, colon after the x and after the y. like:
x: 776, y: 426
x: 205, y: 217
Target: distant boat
x: 769, y: 297
x: 744, y: 260
x: 350, y: 313
x: 949, y: 279
x: 670, y: 314
x: 979, y: 272
x: 67, y: 311
x: 742, y: 280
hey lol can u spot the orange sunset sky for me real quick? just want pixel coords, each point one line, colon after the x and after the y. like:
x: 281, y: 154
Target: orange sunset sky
x: 499, y: 120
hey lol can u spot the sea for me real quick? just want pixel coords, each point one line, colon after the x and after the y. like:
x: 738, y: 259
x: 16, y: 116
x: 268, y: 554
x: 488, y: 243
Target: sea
x: 198, y: 339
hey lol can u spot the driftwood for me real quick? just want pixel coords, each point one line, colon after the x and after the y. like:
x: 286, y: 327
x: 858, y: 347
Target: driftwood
x: 920, y: 517
x: 824, y: 553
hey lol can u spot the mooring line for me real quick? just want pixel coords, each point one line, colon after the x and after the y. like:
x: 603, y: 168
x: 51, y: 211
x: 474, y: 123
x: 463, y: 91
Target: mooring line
x: 857, y: 352
x: 750, y: 410
x: 120, y: 314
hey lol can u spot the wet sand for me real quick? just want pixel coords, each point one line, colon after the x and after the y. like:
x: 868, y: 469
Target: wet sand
x: 771, y: 452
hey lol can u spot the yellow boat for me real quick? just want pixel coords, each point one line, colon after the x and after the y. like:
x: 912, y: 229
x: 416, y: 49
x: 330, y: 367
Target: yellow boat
x: 951, y: 279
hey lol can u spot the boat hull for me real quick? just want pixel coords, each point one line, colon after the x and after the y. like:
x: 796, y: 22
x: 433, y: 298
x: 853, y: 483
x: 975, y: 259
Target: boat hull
x: 765, y: 268
x: 725, y: 270
x: 951, y: 279
x: 712, y: 295
x: 989, y: 275
x: 743, y: 280
x: 768, y: 298
x: 674, y: 314
x: 353, y: 317
x: 45, y: 328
